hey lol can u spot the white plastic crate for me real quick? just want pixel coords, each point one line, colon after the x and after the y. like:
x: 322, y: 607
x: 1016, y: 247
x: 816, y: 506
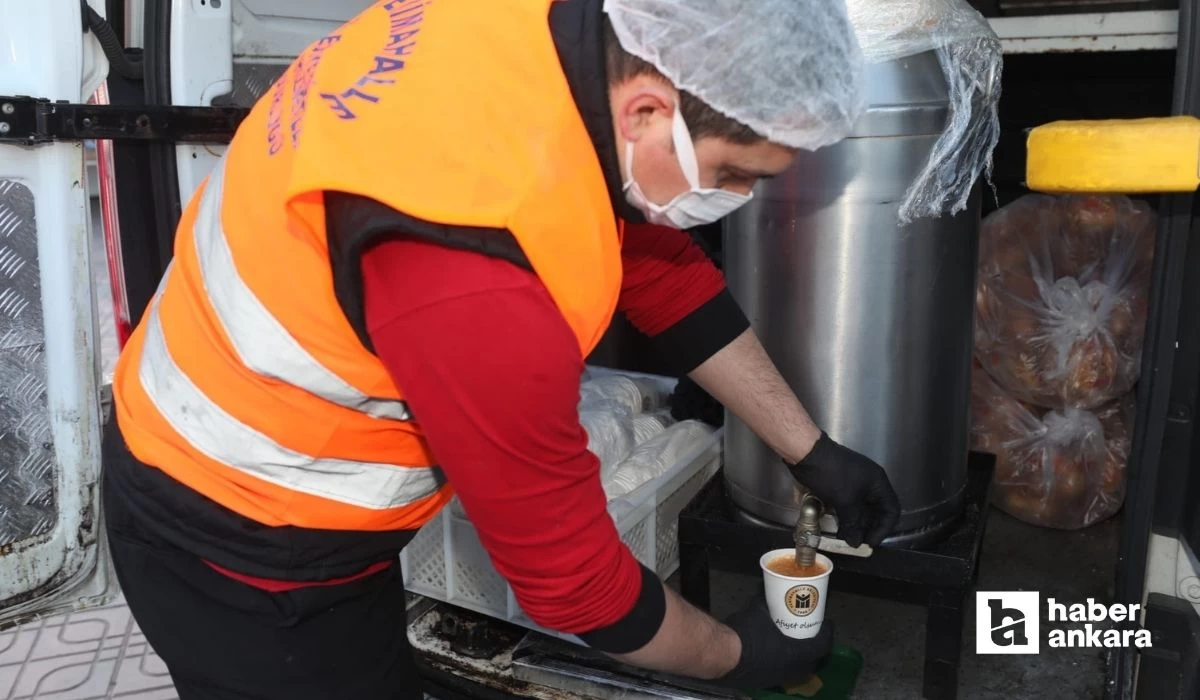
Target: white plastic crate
x: 446, y: 561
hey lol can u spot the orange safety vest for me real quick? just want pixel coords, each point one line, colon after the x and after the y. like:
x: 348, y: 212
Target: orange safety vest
x: 245, y: 381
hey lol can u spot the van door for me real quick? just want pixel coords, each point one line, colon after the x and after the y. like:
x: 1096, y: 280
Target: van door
x: 1159, y: 556
x: 202, y: 53
x: 50, y: 546
x: 1160, y: 539
x: 197, y: 53
x: 226, y: 53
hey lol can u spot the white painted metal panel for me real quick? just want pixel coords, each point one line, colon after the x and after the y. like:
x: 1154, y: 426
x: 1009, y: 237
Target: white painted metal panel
x: 49, y: 395
x: 1098, y: 31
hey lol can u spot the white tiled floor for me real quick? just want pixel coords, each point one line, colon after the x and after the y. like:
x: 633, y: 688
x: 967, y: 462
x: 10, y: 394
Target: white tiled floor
x: 89, y: 655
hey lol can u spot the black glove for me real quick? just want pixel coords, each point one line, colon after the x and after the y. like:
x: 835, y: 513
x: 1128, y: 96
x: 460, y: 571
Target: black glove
x: 856, y: 487
x: 771, y: 659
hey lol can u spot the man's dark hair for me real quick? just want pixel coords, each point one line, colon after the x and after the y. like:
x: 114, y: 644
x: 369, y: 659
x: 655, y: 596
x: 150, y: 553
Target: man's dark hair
x: 702, y: 120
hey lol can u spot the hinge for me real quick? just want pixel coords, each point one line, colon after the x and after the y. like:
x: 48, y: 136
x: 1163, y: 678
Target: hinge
x: 31, y: 120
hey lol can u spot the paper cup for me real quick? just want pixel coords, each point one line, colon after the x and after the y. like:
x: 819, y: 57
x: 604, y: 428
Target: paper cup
x: 797, y: 604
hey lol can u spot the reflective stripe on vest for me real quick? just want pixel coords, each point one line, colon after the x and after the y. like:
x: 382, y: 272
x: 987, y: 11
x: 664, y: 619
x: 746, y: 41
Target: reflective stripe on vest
x: 260, y: 340
x: 219, y: 436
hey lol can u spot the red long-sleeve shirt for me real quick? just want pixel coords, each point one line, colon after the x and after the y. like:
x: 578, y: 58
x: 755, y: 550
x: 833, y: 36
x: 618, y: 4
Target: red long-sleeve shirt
x: 491, y: 371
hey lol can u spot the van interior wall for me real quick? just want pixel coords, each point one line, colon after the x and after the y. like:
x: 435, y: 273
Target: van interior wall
x: 1041, y: 88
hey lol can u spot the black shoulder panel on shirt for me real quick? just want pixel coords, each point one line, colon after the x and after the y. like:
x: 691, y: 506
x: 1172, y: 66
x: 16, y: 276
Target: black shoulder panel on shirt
x: 354, y: 223
x: 577, y: 28
x: 699, y: 335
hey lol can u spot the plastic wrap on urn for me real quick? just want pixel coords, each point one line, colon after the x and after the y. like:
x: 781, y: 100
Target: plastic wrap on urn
x: 971, y: 60
x: 1064, y: 469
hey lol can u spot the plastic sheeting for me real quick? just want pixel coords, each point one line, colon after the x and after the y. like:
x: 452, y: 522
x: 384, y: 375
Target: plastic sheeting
x: 654, y: 457
x: 1064, y: 468
x: 1063, y: 295
x: 632, y: 432
x: 614, y: 411
x: 971, y: 60
x: 638, y: 395
x: 609, y: 427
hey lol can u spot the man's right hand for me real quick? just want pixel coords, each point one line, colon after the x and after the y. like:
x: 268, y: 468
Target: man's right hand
x: 858, y: 489
x: 769, y: 658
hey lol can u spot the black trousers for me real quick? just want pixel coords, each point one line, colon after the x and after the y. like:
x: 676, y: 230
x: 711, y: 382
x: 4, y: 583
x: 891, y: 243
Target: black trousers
x: 224, y: 640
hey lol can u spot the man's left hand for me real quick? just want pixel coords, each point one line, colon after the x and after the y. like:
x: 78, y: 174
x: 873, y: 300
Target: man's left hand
x: 856, y: 487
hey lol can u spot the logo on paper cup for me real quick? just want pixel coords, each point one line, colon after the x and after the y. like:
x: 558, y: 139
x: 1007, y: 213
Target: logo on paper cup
x: 801, y: 600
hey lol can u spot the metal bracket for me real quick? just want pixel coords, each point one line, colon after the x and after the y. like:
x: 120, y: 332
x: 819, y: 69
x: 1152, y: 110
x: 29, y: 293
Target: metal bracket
x: 31, y: 121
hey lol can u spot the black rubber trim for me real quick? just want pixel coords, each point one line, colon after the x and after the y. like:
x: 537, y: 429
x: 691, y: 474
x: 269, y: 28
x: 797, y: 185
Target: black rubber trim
x: 577, y: 28
x: 1160, y: 463
x: 1179, y: 472
x: 700, y: 334
x: 114, y: 12
x: 164, y: 176
x: 639, y: 626
x: 111, y: 43
x: 140, y: 256
x: 1162, y: 436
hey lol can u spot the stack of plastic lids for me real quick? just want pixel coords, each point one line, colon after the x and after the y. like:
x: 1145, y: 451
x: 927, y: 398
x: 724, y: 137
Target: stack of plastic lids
x: 609, y: 409
x: 638, y: 395
x: 631, y: 430
x: 652, y: 458
x: 609, y: 426
x: 648, y: 425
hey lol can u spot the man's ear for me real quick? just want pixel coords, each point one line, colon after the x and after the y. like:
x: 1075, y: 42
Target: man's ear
x: 642, y: 104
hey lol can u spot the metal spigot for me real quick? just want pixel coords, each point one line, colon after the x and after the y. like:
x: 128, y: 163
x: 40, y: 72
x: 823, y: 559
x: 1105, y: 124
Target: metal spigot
x: 808, y: 531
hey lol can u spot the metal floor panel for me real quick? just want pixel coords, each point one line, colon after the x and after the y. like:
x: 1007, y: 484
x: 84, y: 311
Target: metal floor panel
x: 29, y: 477
x: 91, y: 655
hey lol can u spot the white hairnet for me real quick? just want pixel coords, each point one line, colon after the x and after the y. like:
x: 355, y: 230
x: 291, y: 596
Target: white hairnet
x: 791, y: 70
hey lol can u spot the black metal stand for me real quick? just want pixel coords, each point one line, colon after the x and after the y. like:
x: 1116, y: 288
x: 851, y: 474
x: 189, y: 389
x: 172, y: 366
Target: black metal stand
x: 711, y: 536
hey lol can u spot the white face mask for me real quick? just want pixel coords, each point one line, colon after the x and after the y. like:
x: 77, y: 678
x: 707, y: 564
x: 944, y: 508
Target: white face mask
x: 693, y: 207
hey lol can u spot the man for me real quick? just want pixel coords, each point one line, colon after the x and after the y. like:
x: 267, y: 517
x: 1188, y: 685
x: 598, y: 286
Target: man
x: 387, y: 289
